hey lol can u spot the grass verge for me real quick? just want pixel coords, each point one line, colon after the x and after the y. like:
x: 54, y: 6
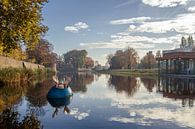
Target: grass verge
x: 132, y: 72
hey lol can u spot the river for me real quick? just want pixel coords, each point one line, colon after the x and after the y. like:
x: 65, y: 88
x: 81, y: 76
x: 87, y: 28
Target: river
x: 109, y: 102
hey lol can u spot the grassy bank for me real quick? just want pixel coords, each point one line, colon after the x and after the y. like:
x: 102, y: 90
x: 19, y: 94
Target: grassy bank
x: 15, y: 75
x: 14, y: 83
x: 132, y: 72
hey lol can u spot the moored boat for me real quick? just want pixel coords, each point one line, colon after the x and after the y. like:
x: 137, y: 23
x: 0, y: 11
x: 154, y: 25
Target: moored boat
x: 58, y: 93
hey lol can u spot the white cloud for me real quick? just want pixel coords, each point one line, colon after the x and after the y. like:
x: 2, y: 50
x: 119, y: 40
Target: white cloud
x: 76, y: 27
x: 183, y: 23
x: 191, y: 9
x: 130, y: 20
x: 125, y: 3
x: 165, y: 3
x: 138, y: 42
x: 141, y: 44
x: 116, y: 45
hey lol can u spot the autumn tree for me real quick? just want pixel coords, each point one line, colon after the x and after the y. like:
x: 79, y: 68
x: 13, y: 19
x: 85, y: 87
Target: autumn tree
x: 148, y: 61
x: 131, y: 58
x: 76, y: 58
x: 42, y: 54
x: 127, y: 59
x: 20, y: 24
x: 89, y: 63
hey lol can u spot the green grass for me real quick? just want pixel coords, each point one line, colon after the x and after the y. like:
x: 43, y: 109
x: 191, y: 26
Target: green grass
x: 133, y: 72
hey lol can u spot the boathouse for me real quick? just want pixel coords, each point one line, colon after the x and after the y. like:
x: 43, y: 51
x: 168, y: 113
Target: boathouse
x: 178, y: 61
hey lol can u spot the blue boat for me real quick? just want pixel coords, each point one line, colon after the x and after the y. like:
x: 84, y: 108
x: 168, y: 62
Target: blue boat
x: 58, y: 93
x: 59, y: 102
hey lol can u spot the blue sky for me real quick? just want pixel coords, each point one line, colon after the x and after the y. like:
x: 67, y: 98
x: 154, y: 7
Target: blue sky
x: 104, y: 26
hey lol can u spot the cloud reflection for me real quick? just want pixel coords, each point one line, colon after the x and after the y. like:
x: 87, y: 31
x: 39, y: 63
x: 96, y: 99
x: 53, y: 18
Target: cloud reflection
x: 131, y: 120
x: 79, y: 115
x: 146, y: 106
x: 152, y: 106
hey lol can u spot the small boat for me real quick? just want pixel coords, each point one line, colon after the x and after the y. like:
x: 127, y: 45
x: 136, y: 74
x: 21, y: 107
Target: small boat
x: 59, y: 93
x: 61, y: 102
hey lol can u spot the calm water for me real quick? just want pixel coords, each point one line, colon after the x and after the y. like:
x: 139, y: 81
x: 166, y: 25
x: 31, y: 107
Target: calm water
x: 112, y: 102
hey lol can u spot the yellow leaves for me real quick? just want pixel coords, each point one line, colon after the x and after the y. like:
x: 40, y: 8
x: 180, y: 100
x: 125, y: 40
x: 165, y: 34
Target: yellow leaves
x: 5, y: 4
x: 1, y: 49
x: 2, y: 104
x: 17, y: 54
x: 20, y: 23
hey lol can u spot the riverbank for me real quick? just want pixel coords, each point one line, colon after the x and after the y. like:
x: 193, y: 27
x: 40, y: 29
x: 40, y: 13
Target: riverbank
x: 18, y: 75
x: 131, y: 72
x: 6, y: 62
x: 15, y: 81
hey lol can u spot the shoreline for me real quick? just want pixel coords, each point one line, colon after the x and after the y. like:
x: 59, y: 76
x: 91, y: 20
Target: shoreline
x: 131, y: 72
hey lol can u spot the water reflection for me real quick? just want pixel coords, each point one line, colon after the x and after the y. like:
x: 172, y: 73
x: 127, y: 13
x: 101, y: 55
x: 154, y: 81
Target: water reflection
x: 129, y: 85
x: 105, y: 101
x: 178, y: 88
x: 36, y: 94
x: 10, y: 95
x: 36, y: 97
x: 149, y: 83
x: 80, y: 81
x: 60, y: 103
x: 9, y: 119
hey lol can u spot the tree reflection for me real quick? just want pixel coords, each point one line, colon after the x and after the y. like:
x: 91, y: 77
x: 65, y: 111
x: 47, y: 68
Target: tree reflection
x: 36, y: 96
x: 10, y: 95
x: 80, y: 81
x: 178, y: 88
x: 149, y: 83
x: 9, y: 119
x: 129, y: 85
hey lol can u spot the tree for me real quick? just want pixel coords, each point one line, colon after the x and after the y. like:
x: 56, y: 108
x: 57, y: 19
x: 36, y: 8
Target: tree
x: 187, y: 43
x: 190, y: 41
x: 127, y: 59
x: 109, y: 58
x: 183, y: 42
x: 20, y: 24
x: 76, y: 58
x: 42, y: 54
x: 115, y: 63
x: 158, y: 54
x: 89, y: 63
x: 148, y: 61
x: 131, y: 58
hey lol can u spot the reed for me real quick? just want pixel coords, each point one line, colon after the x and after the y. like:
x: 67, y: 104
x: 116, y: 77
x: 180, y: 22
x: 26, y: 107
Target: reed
x: 15, y: 75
